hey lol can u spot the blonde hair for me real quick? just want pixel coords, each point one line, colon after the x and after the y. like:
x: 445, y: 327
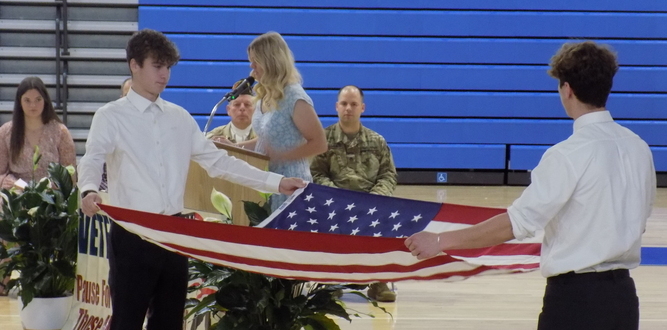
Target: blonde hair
x: 271, y: 53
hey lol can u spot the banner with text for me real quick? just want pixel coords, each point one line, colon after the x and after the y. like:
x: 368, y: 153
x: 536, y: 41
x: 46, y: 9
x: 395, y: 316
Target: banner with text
x: 91, y: 308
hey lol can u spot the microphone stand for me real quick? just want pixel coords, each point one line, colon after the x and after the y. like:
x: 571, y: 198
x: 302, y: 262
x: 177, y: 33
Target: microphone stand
x: 242, y: 86
x: 214, y: 110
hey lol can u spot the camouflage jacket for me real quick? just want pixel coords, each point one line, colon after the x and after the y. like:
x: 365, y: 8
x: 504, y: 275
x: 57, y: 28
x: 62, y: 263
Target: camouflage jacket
x: 226, y: 131
x: 363, y: 164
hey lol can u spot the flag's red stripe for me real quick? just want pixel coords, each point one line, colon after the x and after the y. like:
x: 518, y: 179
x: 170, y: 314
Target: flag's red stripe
x: 275, y: 238
x: 464, y: 214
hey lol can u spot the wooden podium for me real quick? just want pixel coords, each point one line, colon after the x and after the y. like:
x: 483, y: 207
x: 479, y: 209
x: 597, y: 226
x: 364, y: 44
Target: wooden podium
x: 199, y: 185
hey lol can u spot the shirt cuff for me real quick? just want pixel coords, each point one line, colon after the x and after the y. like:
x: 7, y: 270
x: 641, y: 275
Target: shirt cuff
x: 273, y: 182
x: 515, y: 219
x: 88, y: 187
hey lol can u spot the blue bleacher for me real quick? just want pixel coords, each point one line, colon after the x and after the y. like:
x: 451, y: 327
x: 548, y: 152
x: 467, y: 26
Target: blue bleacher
x: 450, y: 84
x: 416, y: 76
x: 411, y: 50
x: 405, y: 22
x: 527, y: 157
x: 445, y: 104
x: 483, y: 131
x: 591, y: 5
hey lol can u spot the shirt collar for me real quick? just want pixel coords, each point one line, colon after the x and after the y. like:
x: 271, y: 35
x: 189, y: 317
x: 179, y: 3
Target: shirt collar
x: 340, y: 136
x: 141, y: 103
x: 592, y: 118
x: 242, y: 132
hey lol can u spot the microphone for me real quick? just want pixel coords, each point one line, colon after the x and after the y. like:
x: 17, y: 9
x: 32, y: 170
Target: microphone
x: 240, y: 88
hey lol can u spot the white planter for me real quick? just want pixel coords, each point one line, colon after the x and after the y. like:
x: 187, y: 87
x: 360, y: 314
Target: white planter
x: 45, y: 313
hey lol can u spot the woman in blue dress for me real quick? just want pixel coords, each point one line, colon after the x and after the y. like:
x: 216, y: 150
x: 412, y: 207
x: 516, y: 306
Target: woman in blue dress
x: 287, y: 127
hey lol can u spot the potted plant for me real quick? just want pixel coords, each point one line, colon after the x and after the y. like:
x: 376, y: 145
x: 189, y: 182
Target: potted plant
x: 39, y: 228
x: 245, y: 300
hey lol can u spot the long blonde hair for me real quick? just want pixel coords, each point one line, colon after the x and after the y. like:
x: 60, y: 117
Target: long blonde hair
x: 271, y: 53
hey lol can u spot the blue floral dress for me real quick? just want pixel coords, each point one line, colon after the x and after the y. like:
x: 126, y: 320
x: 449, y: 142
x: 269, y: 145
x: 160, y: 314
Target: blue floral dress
x: 276, y: 129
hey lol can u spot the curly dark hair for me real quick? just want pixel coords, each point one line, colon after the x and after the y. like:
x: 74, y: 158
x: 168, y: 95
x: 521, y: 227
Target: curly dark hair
x: 17, y: 138
x: 589, y: 68
x: 150, y: 43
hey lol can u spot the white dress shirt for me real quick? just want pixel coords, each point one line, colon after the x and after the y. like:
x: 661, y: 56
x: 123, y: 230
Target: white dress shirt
x: 148, y: 147
x: 592, y: 194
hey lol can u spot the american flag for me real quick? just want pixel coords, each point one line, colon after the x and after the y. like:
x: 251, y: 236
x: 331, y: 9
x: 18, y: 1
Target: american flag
x: 337, y: 236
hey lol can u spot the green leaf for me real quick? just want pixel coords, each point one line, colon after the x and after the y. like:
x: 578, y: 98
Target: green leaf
x: 222, y: 203
x: 321, y: 322
x: 232, y: 297
x: 205, y: 302
x: 65, y: 268
x: 27, y: 294
x: 36, y: 156
x: 43, y: 184
x: 73, y: 202
x: 332, y: 308
x: 255, y: 212
x: 61, y: 178
x: 22, y: 232
x: 7, y: 231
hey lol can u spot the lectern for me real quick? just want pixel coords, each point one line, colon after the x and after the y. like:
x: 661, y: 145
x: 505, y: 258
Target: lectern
x: 199, y: 185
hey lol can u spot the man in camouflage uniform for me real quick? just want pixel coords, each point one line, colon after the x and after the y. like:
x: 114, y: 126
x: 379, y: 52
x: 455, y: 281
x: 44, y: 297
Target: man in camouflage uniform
x: 357, y: 159
x: 240, y: 110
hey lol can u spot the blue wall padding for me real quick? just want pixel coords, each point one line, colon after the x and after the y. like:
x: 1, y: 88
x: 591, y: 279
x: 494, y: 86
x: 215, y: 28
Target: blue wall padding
x: 656, y: 256
x: 411, y: 50
x: 444, y: 104
x: 478, y: 131
x: 527, y: 157
x: 415, y: 76
x: 449, y: 156
x: 594, y: 5
x: 404, y: 23
x: 466, y: 79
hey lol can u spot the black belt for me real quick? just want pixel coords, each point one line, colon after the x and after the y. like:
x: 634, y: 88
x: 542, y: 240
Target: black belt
x: 610, y: 275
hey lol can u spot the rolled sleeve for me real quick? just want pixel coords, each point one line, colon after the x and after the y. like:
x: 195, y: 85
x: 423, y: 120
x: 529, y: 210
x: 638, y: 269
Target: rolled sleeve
x: 552, y: 183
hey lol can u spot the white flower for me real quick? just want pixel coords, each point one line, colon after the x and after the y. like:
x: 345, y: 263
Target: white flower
x: 33, y: 210
x: 70, y: 169
x: 222, y: 203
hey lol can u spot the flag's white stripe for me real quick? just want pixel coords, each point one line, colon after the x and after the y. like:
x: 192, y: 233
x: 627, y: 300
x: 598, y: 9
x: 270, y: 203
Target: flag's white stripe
x: 453, y: 267
x: 288, y: 255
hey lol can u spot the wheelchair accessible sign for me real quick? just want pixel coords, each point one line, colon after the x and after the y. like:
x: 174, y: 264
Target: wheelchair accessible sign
x: 441, y: 177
